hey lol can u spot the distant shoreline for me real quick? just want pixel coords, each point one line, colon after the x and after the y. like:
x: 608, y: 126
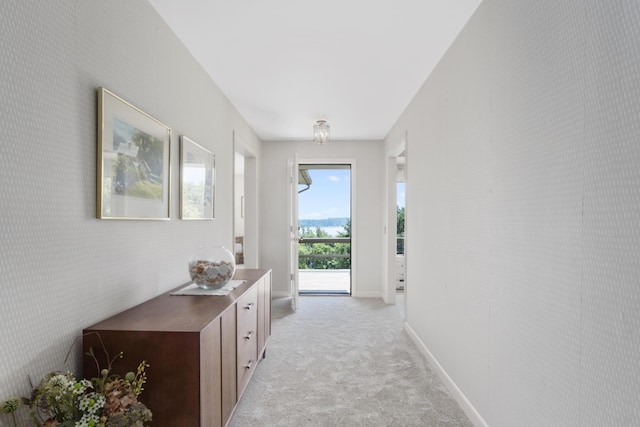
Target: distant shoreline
x: 326, y: 222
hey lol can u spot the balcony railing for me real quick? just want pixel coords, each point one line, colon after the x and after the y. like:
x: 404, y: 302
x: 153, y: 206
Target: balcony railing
x: 327, y: 272
x: 331, y: 240
x: 325, y: 240
x: 332, y: 279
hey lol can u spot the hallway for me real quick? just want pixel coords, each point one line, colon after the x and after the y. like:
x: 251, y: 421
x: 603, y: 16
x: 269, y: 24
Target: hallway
x: 344, y: 362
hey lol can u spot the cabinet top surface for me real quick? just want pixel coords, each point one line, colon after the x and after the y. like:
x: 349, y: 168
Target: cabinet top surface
x: 179, y: 313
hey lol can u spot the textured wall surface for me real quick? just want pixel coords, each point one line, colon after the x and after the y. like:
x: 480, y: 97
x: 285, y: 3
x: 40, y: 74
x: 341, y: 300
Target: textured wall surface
x: 523, y: 197
x: 60, y: 268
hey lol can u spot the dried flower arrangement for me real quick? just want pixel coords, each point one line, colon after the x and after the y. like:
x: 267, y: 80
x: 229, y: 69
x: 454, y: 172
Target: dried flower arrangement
x: 109, y: 400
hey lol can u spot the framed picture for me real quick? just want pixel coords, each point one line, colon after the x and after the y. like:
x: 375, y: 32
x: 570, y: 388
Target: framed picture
x: 197, y: 181
x: 133, y: 167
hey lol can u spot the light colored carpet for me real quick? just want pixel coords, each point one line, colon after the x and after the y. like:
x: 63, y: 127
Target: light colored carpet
x: 342, y: 361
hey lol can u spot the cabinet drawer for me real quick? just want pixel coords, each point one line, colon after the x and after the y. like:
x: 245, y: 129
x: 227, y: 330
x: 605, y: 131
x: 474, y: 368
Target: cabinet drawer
x: 247, y: 337
x: 247, y: 303
x: 247, y: 360
x: 247, y: 313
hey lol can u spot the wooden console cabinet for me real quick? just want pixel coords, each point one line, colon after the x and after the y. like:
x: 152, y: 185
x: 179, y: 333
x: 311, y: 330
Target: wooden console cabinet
x: 202, y: 350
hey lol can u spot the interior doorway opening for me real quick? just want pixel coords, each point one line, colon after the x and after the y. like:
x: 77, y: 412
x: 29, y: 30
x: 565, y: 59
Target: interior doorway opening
x: 245, y: 207
x: 324, y: 229
x: 400, y: 214
x: 239, y: 209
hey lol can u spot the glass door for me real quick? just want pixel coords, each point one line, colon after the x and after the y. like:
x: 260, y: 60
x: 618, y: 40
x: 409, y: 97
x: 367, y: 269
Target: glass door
x: 324, y: 221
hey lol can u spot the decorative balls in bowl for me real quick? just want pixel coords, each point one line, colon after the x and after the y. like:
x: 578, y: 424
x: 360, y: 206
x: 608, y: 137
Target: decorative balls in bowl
x: 212, y: 268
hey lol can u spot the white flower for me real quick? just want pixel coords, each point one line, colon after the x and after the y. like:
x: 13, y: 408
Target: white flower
x: 88, y: 420
x: 59, y: 381
x: 92, y: 403
x: 78, y: 388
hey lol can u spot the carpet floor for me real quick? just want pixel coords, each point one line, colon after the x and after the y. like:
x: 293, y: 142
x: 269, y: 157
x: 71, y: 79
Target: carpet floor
x: 342, y: 361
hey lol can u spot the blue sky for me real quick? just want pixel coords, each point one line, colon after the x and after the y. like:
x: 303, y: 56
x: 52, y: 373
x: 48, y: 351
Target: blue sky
x: 328, y: 196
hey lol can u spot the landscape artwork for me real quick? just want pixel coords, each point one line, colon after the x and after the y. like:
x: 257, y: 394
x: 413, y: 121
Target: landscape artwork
x: 133, y: 162
x: 137, y: 171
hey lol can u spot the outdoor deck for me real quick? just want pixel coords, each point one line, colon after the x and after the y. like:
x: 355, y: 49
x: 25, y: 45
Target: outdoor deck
x: 331, y: 281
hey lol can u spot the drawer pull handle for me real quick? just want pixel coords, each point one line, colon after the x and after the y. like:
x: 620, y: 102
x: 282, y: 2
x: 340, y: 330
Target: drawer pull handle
x: 248, y: 306
x: 248, y: 336
x: 248, y: 365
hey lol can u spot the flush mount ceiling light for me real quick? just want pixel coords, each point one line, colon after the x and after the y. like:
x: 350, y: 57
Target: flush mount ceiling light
x: 321, y: 132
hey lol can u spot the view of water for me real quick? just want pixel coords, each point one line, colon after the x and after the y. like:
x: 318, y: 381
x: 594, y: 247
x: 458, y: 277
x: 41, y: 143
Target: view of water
x: 332, y: 231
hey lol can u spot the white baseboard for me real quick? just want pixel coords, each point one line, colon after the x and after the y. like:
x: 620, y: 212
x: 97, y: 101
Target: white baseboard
x: 370, y: 294
x: 465, y: 404
x: 280, y: 294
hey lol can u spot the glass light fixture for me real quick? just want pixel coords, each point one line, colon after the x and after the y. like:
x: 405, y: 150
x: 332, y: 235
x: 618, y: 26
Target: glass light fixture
x: 321, y: 132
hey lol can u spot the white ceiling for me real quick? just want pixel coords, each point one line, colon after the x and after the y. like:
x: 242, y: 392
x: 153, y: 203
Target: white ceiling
x: 285, y: 63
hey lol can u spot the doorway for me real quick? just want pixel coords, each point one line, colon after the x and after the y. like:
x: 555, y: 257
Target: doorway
x: 395, y: 230
x: 239, y: 209
x: 245, y: 207
x: 324, y: 229
x: 401, y: 265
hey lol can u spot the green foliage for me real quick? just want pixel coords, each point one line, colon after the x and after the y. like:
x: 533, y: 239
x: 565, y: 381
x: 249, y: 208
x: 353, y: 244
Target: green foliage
x: 126, y: 171
x: 145, y: 190
x: 400, y: 226
x: 309, y: 232
x: 400, y: 231
x: 334, y: 248
x: 61, y: 400
x: 324, y: 249
x: 150, y: 150
x: 346, y: 230
x: 140, y: 176
x: 10, y: 406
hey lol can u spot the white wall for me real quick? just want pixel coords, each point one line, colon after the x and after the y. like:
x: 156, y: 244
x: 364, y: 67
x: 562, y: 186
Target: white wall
x: 523, y: 194
x: 60, y: 268
x: 367, y: 222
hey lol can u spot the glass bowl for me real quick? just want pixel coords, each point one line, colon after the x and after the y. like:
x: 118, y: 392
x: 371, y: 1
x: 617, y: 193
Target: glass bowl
x: 212, y: 268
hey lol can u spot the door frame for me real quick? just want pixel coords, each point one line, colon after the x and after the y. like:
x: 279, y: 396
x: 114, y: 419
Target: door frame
x: 251, y: 213
x: 293, y: 232
x: 389, y: 289
x: 353, y: 199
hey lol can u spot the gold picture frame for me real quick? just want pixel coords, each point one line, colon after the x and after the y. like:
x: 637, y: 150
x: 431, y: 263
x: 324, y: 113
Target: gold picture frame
x: 133, y: 164
x: 197, y: 181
